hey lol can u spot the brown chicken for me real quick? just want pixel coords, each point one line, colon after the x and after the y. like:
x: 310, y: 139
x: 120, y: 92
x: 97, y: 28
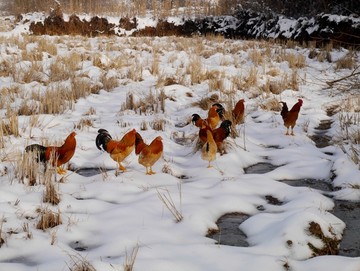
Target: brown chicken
x: 58, y: 156
x: 221, y: 133
x: 215, y: 115
x: 203, y: 132
x: 238, y: 112
x: 118, y: 150
x: 209, y: 149
x: 148, y: 154
x: 197, y: 120
x: 290, y: 117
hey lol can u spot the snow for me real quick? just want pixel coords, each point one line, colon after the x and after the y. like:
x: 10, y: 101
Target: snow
x: 107, y: 215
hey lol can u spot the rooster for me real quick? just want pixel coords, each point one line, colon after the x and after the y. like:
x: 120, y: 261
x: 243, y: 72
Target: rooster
x: 118, y: 150
x: 148, y: 154
x: 221, y: 133
x: 215, y: 114
x: 238, y: 112
x: 197, y: 120
x: 58, y: 156
x: 290, y: 117
x: 209, y: 149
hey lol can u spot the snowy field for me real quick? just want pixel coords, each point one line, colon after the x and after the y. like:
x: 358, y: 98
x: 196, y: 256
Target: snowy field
x: 111, y: 216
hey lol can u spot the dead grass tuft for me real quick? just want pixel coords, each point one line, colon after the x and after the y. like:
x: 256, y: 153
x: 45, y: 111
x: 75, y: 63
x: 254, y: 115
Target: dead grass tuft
x: 48, y: 219
x: 80, y: 263
x: 158, y: 124
x: 166, y: 199
x: 271, y: 104
x: 206, y: 102
x: 346, y: 62
x: 196, y: 70
x: 109, y: 82
x: 330, y: 244
x: 84, y: 123
x: 51, y: 194
x: 10, y: 126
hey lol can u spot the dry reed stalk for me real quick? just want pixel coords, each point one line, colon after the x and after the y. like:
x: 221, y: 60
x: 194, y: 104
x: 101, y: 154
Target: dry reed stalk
x: 168, y: 202
x: 2, y: 237
x: 130, y: 259
x: 80, y: 263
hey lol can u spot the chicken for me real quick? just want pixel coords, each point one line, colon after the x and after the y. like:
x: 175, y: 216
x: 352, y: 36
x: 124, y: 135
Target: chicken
x: 118, y: 150
x: 58, y: 156
x: 197, y: 120
x: 209, y: 149
x: 238, y: 112
x: 221, y: 133
x: 290, y: 117
x: 148, y: 154
x: 215, y: 114
x: 203, y: 132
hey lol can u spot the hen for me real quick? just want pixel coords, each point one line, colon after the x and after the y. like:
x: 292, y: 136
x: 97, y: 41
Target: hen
x: 221, y: 133
x: 290, y: 117
x: 148, y: 154
x: 118, y: 150
x: 238, y: 112
x: 58, y: 156
x: 209, y: 149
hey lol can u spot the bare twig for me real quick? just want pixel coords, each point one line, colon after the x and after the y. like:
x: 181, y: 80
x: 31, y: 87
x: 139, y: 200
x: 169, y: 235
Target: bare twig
x: 352, y: 74
x: 168, y: 202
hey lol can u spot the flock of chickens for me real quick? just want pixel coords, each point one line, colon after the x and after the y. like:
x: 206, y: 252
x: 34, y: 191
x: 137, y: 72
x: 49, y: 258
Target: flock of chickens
x: 211, y: 136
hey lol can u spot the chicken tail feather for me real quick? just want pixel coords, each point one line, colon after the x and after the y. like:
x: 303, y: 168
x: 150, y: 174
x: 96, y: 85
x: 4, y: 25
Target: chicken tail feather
x: 139, y: 143
x: 102, y: 139
x: 39, y: 150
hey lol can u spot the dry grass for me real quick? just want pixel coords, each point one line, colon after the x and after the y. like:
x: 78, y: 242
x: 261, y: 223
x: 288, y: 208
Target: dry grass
x: 346, y: 62
x: 206, y: 102
x: 130, y: 259
x: 27, y: 231
x: 10, y: 125
x: 84, y: 123
x: 256, y: 56
x: 349, y: 135
x: 295, y: 61
x: 80, y: 263
x: 196, y: 70
x: 151, y: 102
x: 166, y: 199
x: 48, y: 219
x: 51, y: 194
x: 109, y: 82
x: 2, y: 234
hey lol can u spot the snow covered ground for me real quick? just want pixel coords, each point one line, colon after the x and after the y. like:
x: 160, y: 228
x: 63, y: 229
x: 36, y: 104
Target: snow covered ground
x: 108, y: 216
